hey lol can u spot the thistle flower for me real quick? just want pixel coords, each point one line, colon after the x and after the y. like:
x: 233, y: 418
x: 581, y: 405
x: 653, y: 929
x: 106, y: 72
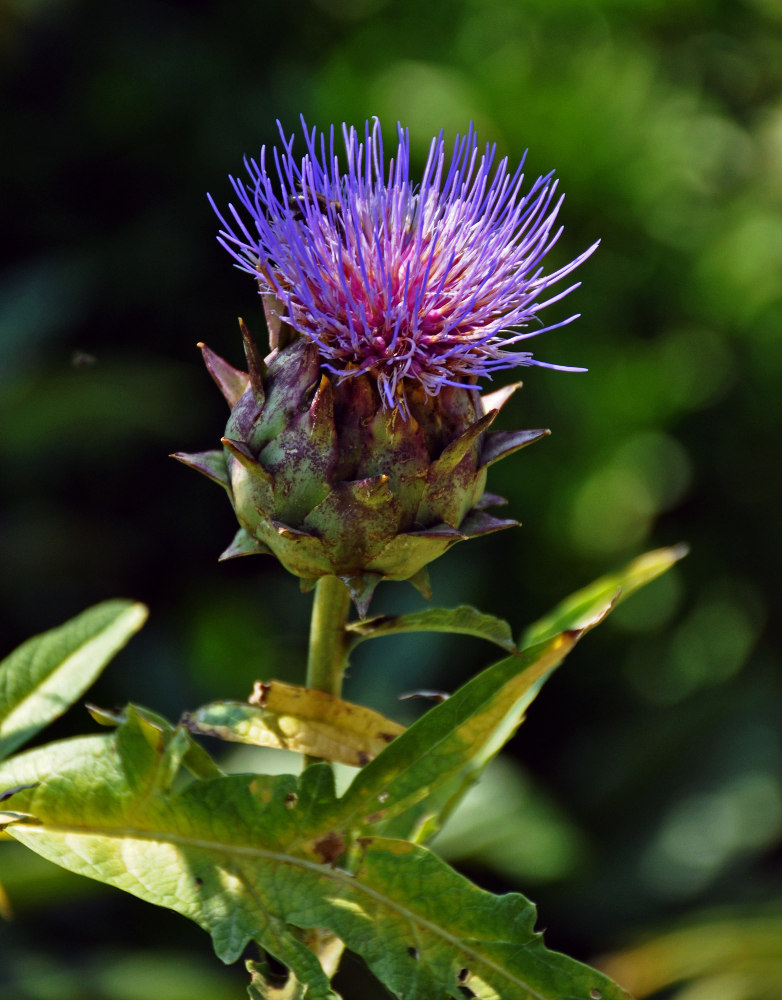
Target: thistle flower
x: 359, y: 446
x: 436, y: 284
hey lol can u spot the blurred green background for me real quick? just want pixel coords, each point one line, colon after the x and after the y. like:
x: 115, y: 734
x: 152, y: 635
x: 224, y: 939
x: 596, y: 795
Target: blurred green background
x: 645, y: 789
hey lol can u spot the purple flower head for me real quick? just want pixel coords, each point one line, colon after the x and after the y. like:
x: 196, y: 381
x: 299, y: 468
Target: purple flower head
x: 436, y: 283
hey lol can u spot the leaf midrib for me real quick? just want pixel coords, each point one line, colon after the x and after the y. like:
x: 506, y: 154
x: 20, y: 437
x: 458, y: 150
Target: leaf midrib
x: 337, y: 875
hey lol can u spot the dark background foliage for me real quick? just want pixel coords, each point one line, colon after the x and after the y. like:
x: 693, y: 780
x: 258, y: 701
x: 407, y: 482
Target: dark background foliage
x: 647, y: 775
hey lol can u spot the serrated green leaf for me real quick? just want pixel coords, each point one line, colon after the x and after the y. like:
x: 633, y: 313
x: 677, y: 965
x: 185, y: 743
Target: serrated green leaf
x: 456, y: 936
x: 245, y: 857
x: 47, y: 674
x: 102, y: 808
x: 463, y: 620
x: 615, y: 588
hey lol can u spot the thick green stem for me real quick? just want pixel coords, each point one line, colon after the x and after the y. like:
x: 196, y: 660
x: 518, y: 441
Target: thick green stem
x: 328, y: 647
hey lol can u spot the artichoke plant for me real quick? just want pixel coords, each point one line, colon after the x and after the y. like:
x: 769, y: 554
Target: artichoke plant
x: 358, y: 447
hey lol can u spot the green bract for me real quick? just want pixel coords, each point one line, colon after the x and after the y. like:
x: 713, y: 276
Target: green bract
x: 332, y: 483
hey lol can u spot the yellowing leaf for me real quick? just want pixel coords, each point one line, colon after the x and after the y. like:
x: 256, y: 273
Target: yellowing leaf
x: 288, y: 717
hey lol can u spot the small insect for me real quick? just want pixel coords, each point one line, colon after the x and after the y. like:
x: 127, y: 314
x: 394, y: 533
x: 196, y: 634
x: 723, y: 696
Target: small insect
x: 82, y: 359
x: 429, y: 695
x: 301, y: 203
x: 8, y: 792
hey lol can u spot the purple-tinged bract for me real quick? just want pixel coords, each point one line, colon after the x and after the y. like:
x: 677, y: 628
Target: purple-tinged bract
x: 359, y: 447
x: 434, y: 284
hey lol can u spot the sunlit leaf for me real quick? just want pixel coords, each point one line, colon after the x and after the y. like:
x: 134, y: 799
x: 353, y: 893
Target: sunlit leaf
x: 580, y: 607
x: 448, y: 746
x: 422, y: 777
x: 463, y: 732
x: 289, y: 717
x: 196, y: 759
x: 47, y: 674
x: 463, y: 620
x: 250, y: 857
x: 29, y: 767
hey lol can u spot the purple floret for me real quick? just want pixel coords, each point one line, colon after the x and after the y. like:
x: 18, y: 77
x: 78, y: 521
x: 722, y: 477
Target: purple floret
x: 434, y: 283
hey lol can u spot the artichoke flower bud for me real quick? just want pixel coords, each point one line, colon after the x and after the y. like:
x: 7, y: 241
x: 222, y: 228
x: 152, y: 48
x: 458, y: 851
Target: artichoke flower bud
x: 359, y: 447
x: 329, y: 480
